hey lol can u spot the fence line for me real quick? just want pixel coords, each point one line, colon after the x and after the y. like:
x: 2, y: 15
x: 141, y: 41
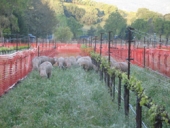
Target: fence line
x: 16, y: 66
x: 153, y: 58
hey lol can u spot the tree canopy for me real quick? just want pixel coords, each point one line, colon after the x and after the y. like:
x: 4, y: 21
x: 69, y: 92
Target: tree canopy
x: 115, y: 23
x: 40, y: 19
x: 75, y: 27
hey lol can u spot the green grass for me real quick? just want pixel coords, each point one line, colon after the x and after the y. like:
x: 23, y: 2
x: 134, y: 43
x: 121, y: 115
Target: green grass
x: 156, y: 86
x: 71, y: 98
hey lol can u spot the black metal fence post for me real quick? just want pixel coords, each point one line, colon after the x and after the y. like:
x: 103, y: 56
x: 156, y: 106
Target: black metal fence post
x: 36, y: 42
x: 113, y: 86
x: 101, y: 70
x: 16, y: 42
x: 126, y: 90
x: 138, y: 113
x: 101, y: 39
x: 55, y: 44
x: 144, y: 53
x: 95, y: 44
x: 38, y: 50
x: 108, y: 76
x: 28, y: 42
x: 109, y: 47
x: 119, y: 93
x: 89, y: 41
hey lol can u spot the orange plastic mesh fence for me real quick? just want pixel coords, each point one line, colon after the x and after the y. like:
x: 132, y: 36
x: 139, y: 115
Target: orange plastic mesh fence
x: 16, y: 66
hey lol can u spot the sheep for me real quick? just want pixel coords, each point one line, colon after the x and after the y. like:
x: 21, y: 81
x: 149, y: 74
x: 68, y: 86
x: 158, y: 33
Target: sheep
x: 52, y: 60
x: 112, y: 61
x: 67, y: 63
x: 45, y: 69
x: 72, y: 60
x: 86, y: 63
x: 122, y: 66
x: 60, y: 62
x: 77, y: 57
x: 84, y: 58
x: 56, y: 61
x: 46, y: 58
x: 36, y: 61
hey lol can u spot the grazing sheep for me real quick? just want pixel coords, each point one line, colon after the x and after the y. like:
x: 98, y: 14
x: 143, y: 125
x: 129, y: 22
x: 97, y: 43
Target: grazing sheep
x: 45, y: 69
x: 112, y: 61
x: 84, y: 58
x: 77, y: 57
x: 60, y: 62
x: 122, y: 66
x: 52, y: 60
x: 86, y: 63
x: 95, y: 68
x: 36, y: 61
x: 56, y: 61
x: 72, y: 60
x: 66, y: 63
x: 46, y: 58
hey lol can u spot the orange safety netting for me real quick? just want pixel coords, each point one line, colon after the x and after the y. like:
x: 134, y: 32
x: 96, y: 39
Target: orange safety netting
x: 16, y: 66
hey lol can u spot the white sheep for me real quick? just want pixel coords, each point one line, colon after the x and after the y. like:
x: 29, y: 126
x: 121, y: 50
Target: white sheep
x: 45, y: 69
x: 122, y: 66
x: 60, y: 62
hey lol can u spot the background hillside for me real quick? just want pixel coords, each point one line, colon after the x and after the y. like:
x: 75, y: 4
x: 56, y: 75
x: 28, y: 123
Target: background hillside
x: 70, y: 19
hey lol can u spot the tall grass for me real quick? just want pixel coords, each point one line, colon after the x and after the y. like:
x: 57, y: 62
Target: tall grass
x: 71, y: 98
x: 156, y: 87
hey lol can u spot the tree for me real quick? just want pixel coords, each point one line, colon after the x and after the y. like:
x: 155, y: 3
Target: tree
x: 159, y: 26
x: 115, y: 23
x: 75, y: 27
x: 74, y: 11
x: 90, y: 17
x: 8, y: 17
x: 167, y: 30
x: 167, y: 16
x: 91, y: 31
x: 99, y: 30
x: 63, y: 34
x: 146, y: 14
x: 55, y: 5
x: 140, y: 25
x: 40, y: 19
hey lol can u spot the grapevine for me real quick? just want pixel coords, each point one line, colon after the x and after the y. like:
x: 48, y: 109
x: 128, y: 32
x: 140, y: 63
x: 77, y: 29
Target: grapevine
x: 156, y: 112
